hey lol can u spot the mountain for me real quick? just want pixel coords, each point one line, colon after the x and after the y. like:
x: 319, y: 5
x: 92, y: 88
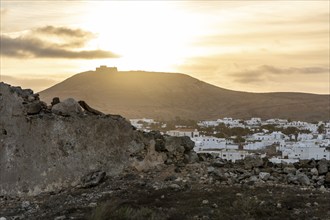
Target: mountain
x: 138, y: 94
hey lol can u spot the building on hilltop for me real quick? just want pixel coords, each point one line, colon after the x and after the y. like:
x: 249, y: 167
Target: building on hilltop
x: 105, y: 69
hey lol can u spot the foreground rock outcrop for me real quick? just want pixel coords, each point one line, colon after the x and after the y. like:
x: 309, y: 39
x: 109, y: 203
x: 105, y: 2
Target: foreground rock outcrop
x: 47, y: 148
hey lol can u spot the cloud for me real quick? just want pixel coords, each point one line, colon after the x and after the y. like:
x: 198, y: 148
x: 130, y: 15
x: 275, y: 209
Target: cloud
x: 31, y: 45
x: 304, y: 70
x: 266, y: 38
x: 64, y: 31
x: 265, y: 72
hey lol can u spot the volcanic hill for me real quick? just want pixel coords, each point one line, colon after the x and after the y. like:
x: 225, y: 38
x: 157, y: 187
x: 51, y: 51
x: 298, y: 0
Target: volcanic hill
x: 158, y: 95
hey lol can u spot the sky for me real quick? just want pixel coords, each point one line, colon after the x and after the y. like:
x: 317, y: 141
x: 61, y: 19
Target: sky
x: 254, y: 46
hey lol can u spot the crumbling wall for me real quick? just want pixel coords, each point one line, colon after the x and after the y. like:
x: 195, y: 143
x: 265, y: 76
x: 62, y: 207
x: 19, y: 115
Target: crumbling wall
x: 44, y: 150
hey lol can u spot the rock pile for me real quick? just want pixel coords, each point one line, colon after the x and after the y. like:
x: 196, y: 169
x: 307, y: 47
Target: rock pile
x: 257, y: 171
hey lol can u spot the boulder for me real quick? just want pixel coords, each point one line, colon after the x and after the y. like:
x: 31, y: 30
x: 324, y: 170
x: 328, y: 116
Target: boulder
x: 219, y: 163
x: 24, y: 93
x: 314, y: 172
x: 264, y: 176
x: 303, y: 179
x: 219, y: 175
x: 289, y: 170
x: 327, y: 178
x: 292, y: 179
x: 67, y: 107
x: 192, y: 157
x: 253, y: 162
x: 55, y: 101
x: 178, y: 149
x: 322, y: 167
x: 33, y: 108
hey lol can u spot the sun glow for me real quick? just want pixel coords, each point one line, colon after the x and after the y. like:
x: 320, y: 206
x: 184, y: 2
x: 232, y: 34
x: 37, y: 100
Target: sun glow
x: 221, y: 42
x: 147, y: 35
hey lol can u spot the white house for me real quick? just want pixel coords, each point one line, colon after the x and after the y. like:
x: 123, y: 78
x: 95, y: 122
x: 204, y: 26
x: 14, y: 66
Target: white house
x: 253, y: 121
x: 307, y: 153
x: 212, y: 143
x: 184, y: 132
x: 230, y: 122
x: 208, y: 123
x: 304, y: 137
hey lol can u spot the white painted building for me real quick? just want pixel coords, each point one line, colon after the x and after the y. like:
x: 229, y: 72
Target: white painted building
x: 275, y: 121
x: 257, y: 145
x: 307, y: 153
x: 253, y: 121
x: 304, y: 137
x: 213, y: 143
x: 184, y: 132
x: 275, y: 136
x: 208, y: 123
x: 231, y: 122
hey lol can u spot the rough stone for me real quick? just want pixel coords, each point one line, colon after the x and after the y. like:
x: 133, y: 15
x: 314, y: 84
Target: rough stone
x: 25, y: 204
x: 55, y: 101
x: 31, y: 98
x: 322, y: 189
x: 314, y: 172
x: 252, y: 162
x: 67, y: 107
x: 210, y: 169
x: 71, y: 146
x: 192, y: 157
x: 264, y: 176
x: 92, y: 179
x: 327, y: 178
x: 291, y: 178
x: 322, y: 167
x: 174, y: 186
x: 219, y: 163
x: 289, y: 170
x: 33, y: 108
x: 303, y: 179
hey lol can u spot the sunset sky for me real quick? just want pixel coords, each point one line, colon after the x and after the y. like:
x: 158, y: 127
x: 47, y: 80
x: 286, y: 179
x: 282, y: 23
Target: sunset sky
x: 257, y: 46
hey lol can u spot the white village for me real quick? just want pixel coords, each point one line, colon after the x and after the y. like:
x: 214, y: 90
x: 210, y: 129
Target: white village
x: 280, y: 140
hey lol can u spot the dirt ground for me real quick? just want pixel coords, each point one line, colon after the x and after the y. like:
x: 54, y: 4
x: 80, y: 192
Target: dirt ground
x: 131, y: 197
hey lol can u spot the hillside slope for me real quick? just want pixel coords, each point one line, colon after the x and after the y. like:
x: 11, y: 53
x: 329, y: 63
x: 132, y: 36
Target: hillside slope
x: 137, y: 94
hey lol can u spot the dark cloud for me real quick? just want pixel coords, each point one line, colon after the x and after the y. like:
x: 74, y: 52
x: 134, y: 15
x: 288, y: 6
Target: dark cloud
x: 266, y: 71
x: 32, y: 46
x: 64, y: 31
